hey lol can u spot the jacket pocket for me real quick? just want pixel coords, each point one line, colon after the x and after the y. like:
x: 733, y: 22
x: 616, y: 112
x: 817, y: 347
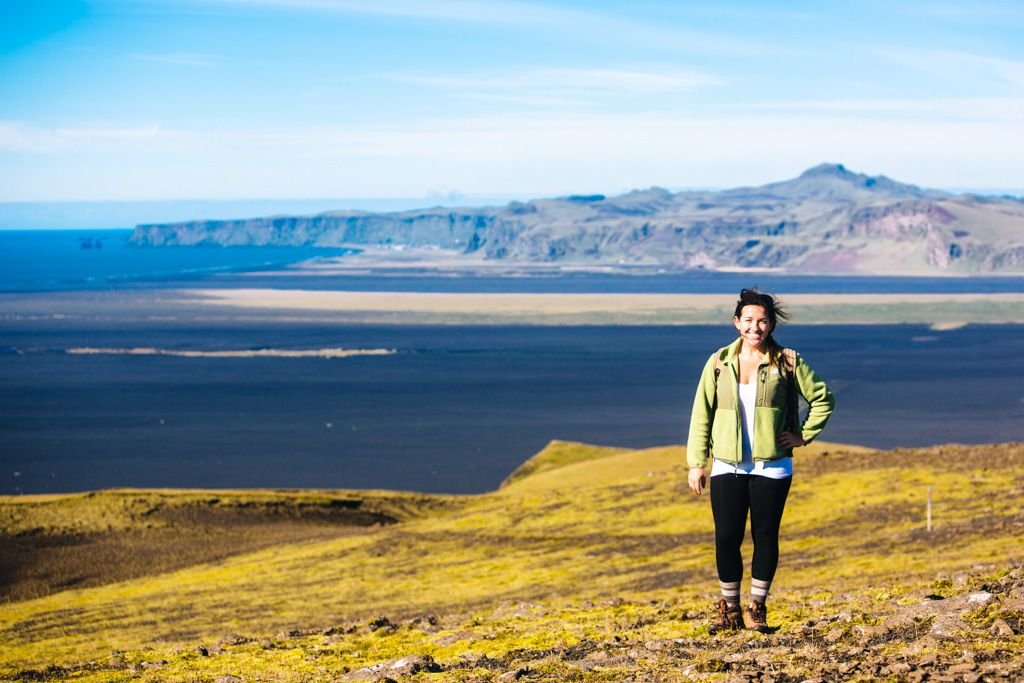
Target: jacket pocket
x: 723, y: 435
x: 774, y: 389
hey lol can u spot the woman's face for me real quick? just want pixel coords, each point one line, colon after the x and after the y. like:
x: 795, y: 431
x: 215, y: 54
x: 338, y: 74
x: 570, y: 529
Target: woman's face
x: 752, y: 324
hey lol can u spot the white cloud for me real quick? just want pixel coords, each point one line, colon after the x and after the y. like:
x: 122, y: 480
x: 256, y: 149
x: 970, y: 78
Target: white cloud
x: 526, y: 155
x: 27, y: 139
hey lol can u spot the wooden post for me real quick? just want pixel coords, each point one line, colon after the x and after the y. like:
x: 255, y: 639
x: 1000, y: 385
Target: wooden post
x: 929, y: 508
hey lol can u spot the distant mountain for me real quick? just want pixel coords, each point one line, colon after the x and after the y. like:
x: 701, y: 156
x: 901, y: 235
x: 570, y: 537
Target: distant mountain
x: 827, y: 220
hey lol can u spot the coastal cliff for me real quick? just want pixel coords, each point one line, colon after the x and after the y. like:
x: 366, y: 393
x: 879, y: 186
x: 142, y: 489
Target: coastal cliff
x: 827, y: 220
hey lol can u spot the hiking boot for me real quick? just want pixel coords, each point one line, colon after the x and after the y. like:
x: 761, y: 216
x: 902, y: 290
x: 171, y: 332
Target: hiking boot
x: 756, y: 617
x: 727, y: 618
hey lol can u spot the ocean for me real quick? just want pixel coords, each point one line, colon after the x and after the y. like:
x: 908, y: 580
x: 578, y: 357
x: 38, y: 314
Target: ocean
x: 453, y: 409
x: 68, y: 260
x: 447, y: 408
x: 65, y: 260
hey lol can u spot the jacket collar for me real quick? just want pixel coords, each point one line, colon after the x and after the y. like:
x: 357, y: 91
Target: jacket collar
x: 730, y: 354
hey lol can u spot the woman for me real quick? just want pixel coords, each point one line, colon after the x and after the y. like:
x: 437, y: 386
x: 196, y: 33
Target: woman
x: 746, y: 420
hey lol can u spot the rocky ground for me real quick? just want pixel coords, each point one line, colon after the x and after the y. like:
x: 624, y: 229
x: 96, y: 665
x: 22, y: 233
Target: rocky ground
x: 587, y: 566
x: 968, y: 627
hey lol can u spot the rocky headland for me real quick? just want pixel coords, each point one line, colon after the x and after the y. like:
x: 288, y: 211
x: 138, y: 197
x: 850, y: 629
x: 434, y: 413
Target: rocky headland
x: 828, y: 220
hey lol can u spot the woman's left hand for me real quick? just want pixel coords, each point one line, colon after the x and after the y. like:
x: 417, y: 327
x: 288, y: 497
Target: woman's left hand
x: 789, y: 440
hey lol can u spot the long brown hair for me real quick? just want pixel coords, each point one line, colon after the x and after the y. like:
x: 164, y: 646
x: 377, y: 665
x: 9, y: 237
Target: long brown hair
x: 775, y: 312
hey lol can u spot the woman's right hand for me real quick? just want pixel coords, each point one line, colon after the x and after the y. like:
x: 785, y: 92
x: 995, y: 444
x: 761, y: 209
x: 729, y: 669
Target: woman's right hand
x: 697, y: 478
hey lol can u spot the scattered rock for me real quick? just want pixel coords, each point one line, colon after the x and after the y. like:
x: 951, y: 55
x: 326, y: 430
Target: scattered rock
x: 1001, y: 628
x: 835, y: 635
x: 382, y: 622
x: 1014, y: 603
x: 579, y: 650
x: 153, y: 666
x: 945, y: 627
x: 604, y: 660
x: 232, y: 639
x: 966, y: 667
x: 515, y: 675
x: 428, y: 623
x: 202, y: 651
x: 403, y: 666
x: 227, y: 679
x: 982, y: 598
x: 897, y: 669
x: 870, y: 634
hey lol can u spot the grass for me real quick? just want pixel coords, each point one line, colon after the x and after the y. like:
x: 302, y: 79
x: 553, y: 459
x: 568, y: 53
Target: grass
x: 589, y: 564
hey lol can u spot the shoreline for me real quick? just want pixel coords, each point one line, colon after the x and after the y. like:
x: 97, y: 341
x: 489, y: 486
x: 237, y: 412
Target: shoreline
x: 941, y: 311
x: 373, y: 260
x: 283, y: 306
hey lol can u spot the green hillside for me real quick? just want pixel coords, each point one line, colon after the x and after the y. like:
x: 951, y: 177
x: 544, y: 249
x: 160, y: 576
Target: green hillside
x: 591, y: 564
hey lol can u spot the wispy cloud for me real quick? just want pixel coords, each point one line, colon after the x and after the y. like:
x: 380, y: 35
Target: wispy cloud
x: 960, y: 65
x: 550, y: 87
x: 548, y: 153
x: 464, y: 11
x: 179, y: 59
x: 924, y: 109
x: 29, y: 139
x: 999, y: 13
x: 572, y: 23
x: 618, y: 80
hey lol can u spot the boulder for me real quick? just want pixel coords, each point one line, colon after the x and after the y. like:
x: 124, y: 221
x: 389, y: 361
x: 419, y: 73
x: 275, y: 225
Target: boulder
x: 403, y: 666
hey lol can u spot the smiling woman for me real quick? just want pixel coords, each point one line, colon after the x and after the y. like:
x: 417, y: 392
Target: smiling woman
x: 746, y: 418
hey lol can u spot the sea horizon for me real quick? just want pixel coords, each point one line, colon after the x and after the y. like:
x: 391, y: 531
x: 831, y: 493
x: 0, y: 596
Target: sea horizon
x: 89, y: 259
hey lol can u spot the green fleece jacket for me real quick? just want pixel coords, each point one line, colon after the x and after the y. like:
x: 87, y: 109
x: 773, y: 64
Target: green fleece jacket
x: 715, y: 422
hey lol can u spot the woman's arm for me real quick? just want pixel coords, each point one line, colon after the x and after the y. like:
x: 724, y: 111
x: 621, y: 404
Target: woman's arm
x: 819, y: 398
x: 698, y: 440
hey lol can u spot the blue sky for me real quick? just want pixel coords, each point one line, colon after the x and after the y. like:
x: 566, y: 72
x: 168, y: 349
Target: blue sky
x: 155, y: 99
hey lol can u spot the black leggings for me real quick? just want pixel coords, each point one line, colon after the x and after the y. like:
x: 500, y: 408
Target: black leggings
x: 731, y: 496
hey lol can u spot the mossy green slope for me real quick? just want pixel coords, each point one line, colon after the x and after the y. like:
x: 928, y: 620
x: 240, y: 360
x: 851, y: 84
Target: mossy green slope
x: 587, y: 569
x: 559, y: 454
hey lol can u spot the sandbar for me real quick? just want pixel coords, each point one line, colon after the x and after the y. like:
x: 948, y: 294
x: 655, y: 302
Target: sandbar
x: 943, y: 311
